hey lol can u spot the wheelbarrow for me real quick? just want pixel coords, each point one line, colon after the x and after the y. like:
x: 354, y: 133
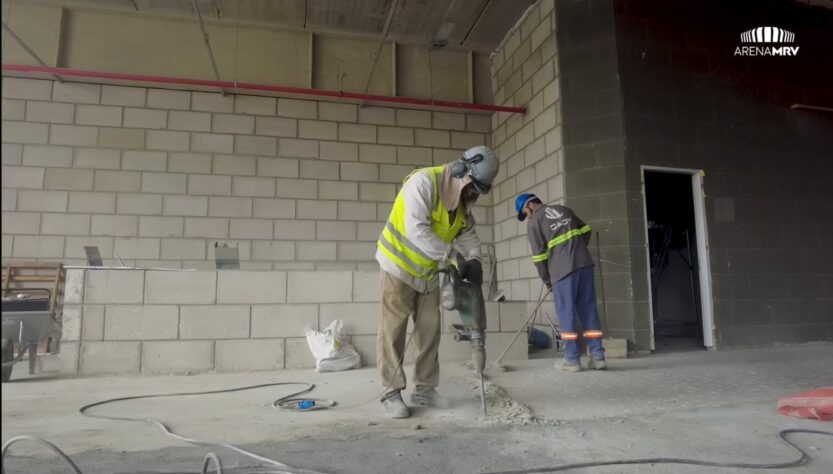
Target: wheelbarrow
x: 26, y: 321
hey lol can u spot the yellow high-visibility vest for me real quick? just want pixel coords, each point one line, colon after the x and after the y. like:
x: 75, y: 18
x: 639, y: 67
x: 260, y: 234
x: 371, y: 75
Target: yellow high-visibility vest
x: 394, y: 243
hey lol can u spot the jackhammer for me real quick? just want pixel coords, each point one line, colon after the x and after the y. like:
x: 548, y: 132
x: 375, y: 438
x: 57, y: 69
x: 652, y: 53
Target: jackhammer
x: 466, y: 297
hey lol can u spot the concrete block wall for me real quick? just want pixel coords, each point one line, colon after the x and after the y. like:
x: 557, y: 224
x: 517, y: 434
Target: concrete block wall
x: 525, y: 73
x: 174, y: 322
x: 158, y: 177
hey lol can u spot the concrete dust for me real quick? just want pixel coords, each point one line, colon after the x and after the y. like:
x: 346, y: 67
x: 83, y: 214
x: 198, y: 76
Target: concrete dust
x: 501, y: 409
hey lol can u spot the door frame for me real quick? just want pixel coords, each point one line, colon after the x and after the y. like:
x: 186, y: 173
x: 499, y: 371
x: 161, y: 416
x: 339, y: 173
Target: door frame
x: 701, y: 238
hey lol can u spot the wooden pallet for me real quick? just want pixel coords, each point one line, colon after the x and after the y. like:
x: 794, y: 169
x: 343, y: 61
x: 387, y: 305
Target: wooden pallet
x: 36, y: 276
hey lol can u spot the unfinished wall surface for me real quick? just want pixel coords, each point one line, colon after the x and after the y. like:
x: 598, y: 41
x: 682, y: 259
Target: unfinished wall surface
x: 174, y: 322
x: 158, y: 177
x: 689, y: 102
x: 525, y: 73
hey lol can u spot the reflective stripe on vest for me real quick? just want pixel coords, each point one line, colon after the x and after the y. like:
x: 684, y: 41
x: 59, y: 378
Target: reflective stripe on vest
x: 394, y: 243
x: 558, y: 241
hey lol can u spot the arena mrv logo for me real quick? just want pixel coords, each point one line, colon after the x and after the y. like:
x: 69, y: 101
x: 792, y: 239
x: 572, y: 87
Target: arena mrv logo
x: 767, y: 41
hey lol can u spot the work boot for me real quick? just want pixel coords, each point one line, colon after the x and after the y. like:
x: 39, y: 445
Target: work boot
x: 598, y: 364
x: 394, y: 407
x: 429, y: 398
x: 570, y: 366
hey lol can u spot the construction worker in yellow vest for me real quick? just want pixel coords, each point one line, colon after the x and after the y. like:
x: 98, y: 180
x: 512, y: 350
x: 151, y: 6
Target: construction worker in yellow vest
x: 431, y: 213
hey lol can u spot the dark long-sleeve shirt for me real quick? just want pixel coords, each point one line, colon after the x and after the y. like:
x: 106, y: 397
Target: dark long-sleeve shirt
x: 559, y: 242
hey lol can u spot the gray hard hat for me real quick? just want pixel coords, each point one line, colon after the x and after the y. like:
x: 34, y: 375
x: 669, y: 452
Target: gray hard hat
x: 482, y: 166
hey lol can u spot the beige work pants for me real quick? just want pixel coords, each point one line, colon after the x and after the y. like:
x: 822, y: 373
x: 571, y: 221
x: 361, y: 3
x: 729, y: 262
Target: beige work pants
x: 400, y: 302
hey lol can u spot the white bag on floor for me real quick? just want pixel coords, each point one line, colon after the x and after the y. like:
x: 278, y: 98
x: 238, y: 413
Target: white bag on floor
x: 330, y: 352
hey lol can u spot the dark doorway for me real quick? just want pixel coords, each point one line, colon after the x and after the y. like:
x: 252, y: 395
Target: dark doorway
x: 672, y: 249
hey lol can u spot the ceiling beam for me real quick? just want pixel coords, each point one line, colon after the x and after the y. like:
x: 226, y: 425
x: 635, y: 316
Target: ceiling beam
x: 475, y: 22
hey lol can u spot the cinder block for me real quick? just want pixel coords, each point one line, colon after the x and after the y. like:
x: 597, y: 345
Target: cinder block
x: 49, y: 112
x: 212, y: 143
x: 254, y: 187
x: 253, y: 105
x: 63, y: 224
x: 377, y: 192
x: 512, y: 316
x: 180, y: 287
x: 103, y: 115
x: 71, y: 322
x: 479, y: 123
x: 273, y: 250
x: 12, y: 154
x: 114, y: 286
x: 356, y: 211
x: 9, y: 199
x: 244, y: 287
x: 276, y: 127
x: 615, y: 348
x: 127, y: 181
x: 183, y: 249
x: 252, y: 145
x: 76, y: 92
x: 214, y: 322
x: 273, y: 208
x: 377, y: 153
x: 43, y: 201
x: 377, y: 115
x: 293, y: 230
x: 212, y: 228
x: 121, y: 138
x: 229, y: 207
x: 229, y: 123
x: 250, y: 229
x: 189, y: 163
x: 338, y: 190
x: 356, y: 250
x: 177, y: 357
x: 74, y: 286
x: 492, y: 317
x: 235, y: 165
x: 168, y: 99
x: 47, y: 155
x: 357, y: 133
x: 298, y: 355
x: 100, y: 358
x: 317, y: 130
x: 212, y: 102
x: 73, y: 135
x: 359, y: 172
x: 102, y: 203
x: 32, y: 89
x: 297, y: 188
x: 74, y: 248
x: 285, y: 320
x: 295, y: 148
x: 367, y: 286
x: 413, y: 118
x: 209, y: 185
x: 145, y: 118
x: 326, y: 210
x: 93, y: 327
x: 120, y: 95
x: 449, y: 121
x: 7, y: 244
x: 135, y: 160
x: 168, y: 183
x: 22, y: 222
x: 497, y: 342
x: 308, y: 287
x: 97, y: 158
x: 297, y: 108
x: 433, y: 138
x: 396, y: 136
x: 141, y: 322
x: 133, y: 248
x: 465, y: 140
x: 24, y: 132
x: 336, y: 230
x: 69, y: 179
x: 189, y: 121
x: 185, y: 206
x: 358, y: 318
x: 337, y: 112
x: 250, y: 355
x: 394, y: 173
x: 14, y: 109
x: 278, y: 167
x: 383, y: 210
x: 369, y: 231
x: 315, y: 169
x: 165, y: 140
x: 22, y: 177
x: 160, y: 226
x: 316, y: 251
x: 414, y: 156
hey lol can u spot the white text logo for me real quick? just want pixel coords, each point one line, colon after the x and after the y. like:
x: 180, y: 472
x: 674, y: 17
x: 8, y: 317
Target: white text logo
x: 767, y: 35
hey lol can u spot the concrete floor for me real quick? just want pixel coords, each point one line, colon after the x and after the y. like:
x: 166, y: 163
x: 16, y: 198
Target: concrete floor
x: 707, y: 405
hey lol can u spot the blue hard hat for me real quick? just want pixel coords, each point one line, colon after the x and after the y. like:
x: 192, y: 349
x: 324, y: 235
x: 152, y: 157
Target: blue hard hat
x: 520, y: 202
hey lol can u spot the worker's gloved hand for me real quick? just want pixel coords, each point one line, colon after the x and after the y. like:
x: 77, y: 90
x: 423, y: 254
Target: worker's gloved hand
x: 471, y: 270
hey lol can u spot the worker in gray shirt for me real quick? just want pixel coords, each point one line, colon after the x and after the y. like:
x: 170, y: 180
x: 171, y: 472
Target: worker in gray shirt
x: 559, y: 249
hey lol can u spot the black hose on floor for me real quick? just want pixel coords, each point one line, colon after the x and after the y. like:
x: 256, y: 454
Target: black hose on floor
x: 802, y: 459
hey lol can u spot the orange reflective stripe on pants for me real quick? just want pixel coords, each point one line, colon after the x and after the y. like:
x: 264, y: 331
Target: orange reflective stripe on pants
x: 593, y: 334
x: 569, y: 336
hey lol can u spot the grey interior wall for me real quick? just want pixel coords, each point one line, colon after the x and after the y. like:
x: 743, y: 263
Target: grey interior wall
x: 690, y: 103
